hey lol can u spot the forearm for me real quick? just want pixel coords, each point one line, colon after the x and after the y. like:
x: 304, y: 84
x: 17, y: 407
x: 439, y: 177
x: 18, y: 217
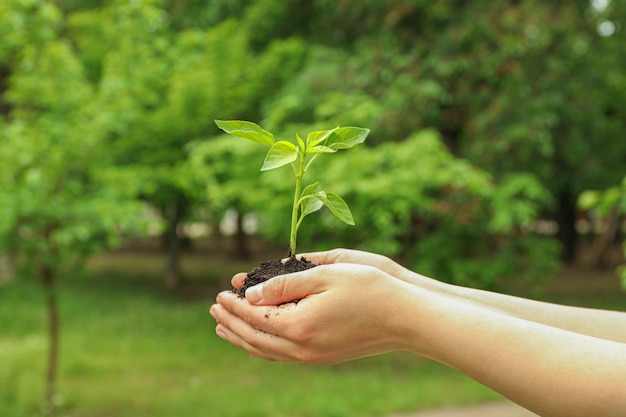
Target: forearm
x: 548, y: 370
x: 610, y: 325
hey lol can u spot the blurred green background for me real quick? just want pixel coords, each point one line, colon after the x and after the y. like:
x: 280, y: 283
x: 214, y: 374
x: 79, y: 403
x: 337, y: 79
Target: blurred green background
x: 496, y: 159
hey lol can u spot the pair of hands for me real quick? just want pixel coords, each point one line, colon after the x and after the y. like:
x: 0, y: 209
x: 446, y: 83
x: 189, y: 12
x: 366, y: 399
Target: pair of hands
x: 358, y: 304
x: 347, y: 309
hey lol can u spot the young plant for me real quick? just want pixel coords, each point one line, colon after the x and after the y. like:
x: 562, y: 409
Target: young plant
x: 300, y: 155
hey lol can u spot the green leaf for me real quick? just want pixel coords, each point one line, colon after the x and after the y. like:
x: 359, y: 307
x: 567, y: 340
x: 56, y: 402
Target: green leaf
x: 281, y: 153
x: 312, y: 203
x: 328, y: 141
x: 346, y: 137
x: 300, y: 142
x: 337, y: 206
x: 322, y: 149
x: 315, y: 138
x: 588, y: 199
x: 246, y: 130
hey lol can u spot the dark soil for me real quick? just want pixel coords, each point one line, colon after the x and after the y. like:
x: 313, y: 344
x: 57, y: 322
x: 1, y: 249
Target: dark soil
x: 270, y: 269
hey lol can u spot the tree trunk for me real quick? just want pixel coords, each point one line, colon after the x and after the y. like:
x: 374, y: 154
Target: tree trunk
x: 566, y: 218
x: 5, y: 73
x: 241, y: 239
x: 172, y: 274
x: 7, y: 272
x: 47, y: 276
x: 602, y: 243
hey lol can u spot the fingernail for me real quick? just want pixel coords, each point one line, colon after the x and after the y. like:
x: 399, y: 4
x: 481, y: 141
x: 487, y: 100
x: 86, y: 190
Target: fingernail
x: 221, y: 332
x: 214, y: 311
x: 253, y: 294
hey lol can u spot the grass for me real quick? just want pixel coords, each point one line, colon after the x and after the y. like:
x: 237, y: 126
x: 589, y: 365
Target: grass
x: 131, y: 348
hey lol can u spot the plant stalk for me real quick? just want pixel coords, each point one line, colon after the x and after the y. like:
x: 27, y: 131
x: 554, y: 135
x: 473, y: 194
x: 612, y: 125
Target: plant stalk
x: 296, y: 207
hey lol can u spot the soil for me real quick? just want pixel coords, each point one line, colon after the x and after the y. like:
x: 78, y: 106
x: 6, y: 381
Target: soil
x: 272, y: 268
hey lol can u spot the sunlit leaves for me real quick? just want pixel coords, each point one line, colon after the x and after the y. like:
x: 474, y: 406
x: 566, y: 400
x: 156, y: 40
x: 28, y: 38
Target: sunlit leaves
x: 315, y: 138
x: 62, y: 196
x: 607, y: 204
x: 346, y: 137
x: 300, y: 142
x: 246, y: 130
x: 309, y: 203
x: 329, y: 141
x: 300, y: 155
x: 281, y: 153
x: 337, y: 206
x: 313, y: 199
x: 604, y: 201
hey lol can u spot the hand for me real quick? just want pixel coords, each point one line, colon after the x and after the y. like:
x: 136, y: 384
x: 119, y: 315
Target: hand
x: 345, y: 311
x: 350, y: 256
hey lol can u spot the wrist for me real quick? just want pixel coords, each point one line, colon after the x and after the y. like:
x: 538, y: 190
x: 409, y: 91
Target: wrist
x: 425, y: 282
x: 415, y: 316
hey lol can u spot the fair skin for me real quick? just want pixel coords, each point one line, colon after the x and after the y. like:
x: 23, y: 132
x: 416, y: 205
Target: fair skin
x: 557, y: 361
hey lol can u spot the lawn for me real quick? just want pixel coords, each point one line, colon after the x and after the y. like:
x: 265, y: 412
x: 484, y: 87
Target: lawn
x: 131, y: 348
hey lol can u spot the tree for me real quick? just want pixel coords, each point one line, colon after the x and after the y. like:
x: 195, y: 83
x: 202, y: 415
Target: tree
x: 229, y: 181
x: 517, y: 88
x: 608, y: 207
x: 62, y: 200
x: 535, y: 100
x: 165, y: 87
x: 527, y: 91
x: 415, y: 200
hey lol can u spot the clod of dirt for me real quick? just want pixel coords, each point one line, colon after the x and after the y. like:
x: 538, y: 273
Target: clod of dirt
x: 270, y: 269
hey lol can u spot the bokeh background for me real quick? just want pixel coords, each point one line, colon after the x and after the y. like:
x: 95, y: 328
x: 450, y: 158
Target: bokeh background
x: 496, y: 159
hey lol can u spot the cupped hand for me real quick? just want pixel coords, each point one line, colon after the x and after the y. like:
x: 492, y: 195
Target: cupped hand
x: 350, y: 256
x: 345, y: 311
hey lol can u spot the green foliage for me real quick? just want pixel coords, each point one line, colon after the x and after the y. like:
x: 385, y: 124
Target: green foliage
x: 613, y: 198
x: 157, y: 86
x: 445, y: 216
x: 517, y: 202
x: 300, y: 155
x: 226, y: 178
x: 329, y: 90
x: 529, y: 88
x: 440, y: 214
x: 611, y: 201
x: 61, y: 196
x: 530, y: 93
x: 25, y: 23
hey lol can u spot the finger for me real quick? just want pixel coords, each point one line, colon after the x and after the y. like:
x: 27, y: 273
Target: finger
x: 254, y: 351
x: 336, y: 256
x: 257, y: 342
x: 323, y: 257
x: 238, y: 279
x: 257, y: 317
x: 287, y: 288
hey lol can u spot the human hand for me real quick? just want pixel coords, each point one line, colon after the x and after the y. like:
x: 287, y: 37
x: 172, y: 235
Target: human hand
x: 345, y: 311
x: 350, y: 256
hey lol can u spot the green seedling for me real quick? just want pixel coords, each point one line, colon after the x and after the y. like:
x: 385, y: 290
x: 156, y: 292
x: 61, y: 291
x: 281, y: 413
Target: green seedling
x: 300, y: 155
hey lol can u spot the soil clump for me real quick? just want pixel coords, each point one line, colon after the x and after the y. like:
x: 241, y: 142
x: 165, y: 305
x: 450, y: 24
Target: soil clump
x: 270, y: 269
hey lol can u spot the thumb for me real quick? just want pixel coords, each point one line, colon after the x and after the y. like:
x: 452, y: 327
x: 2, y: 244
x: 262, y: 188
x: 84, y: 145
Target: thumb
x: 285, y: 288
